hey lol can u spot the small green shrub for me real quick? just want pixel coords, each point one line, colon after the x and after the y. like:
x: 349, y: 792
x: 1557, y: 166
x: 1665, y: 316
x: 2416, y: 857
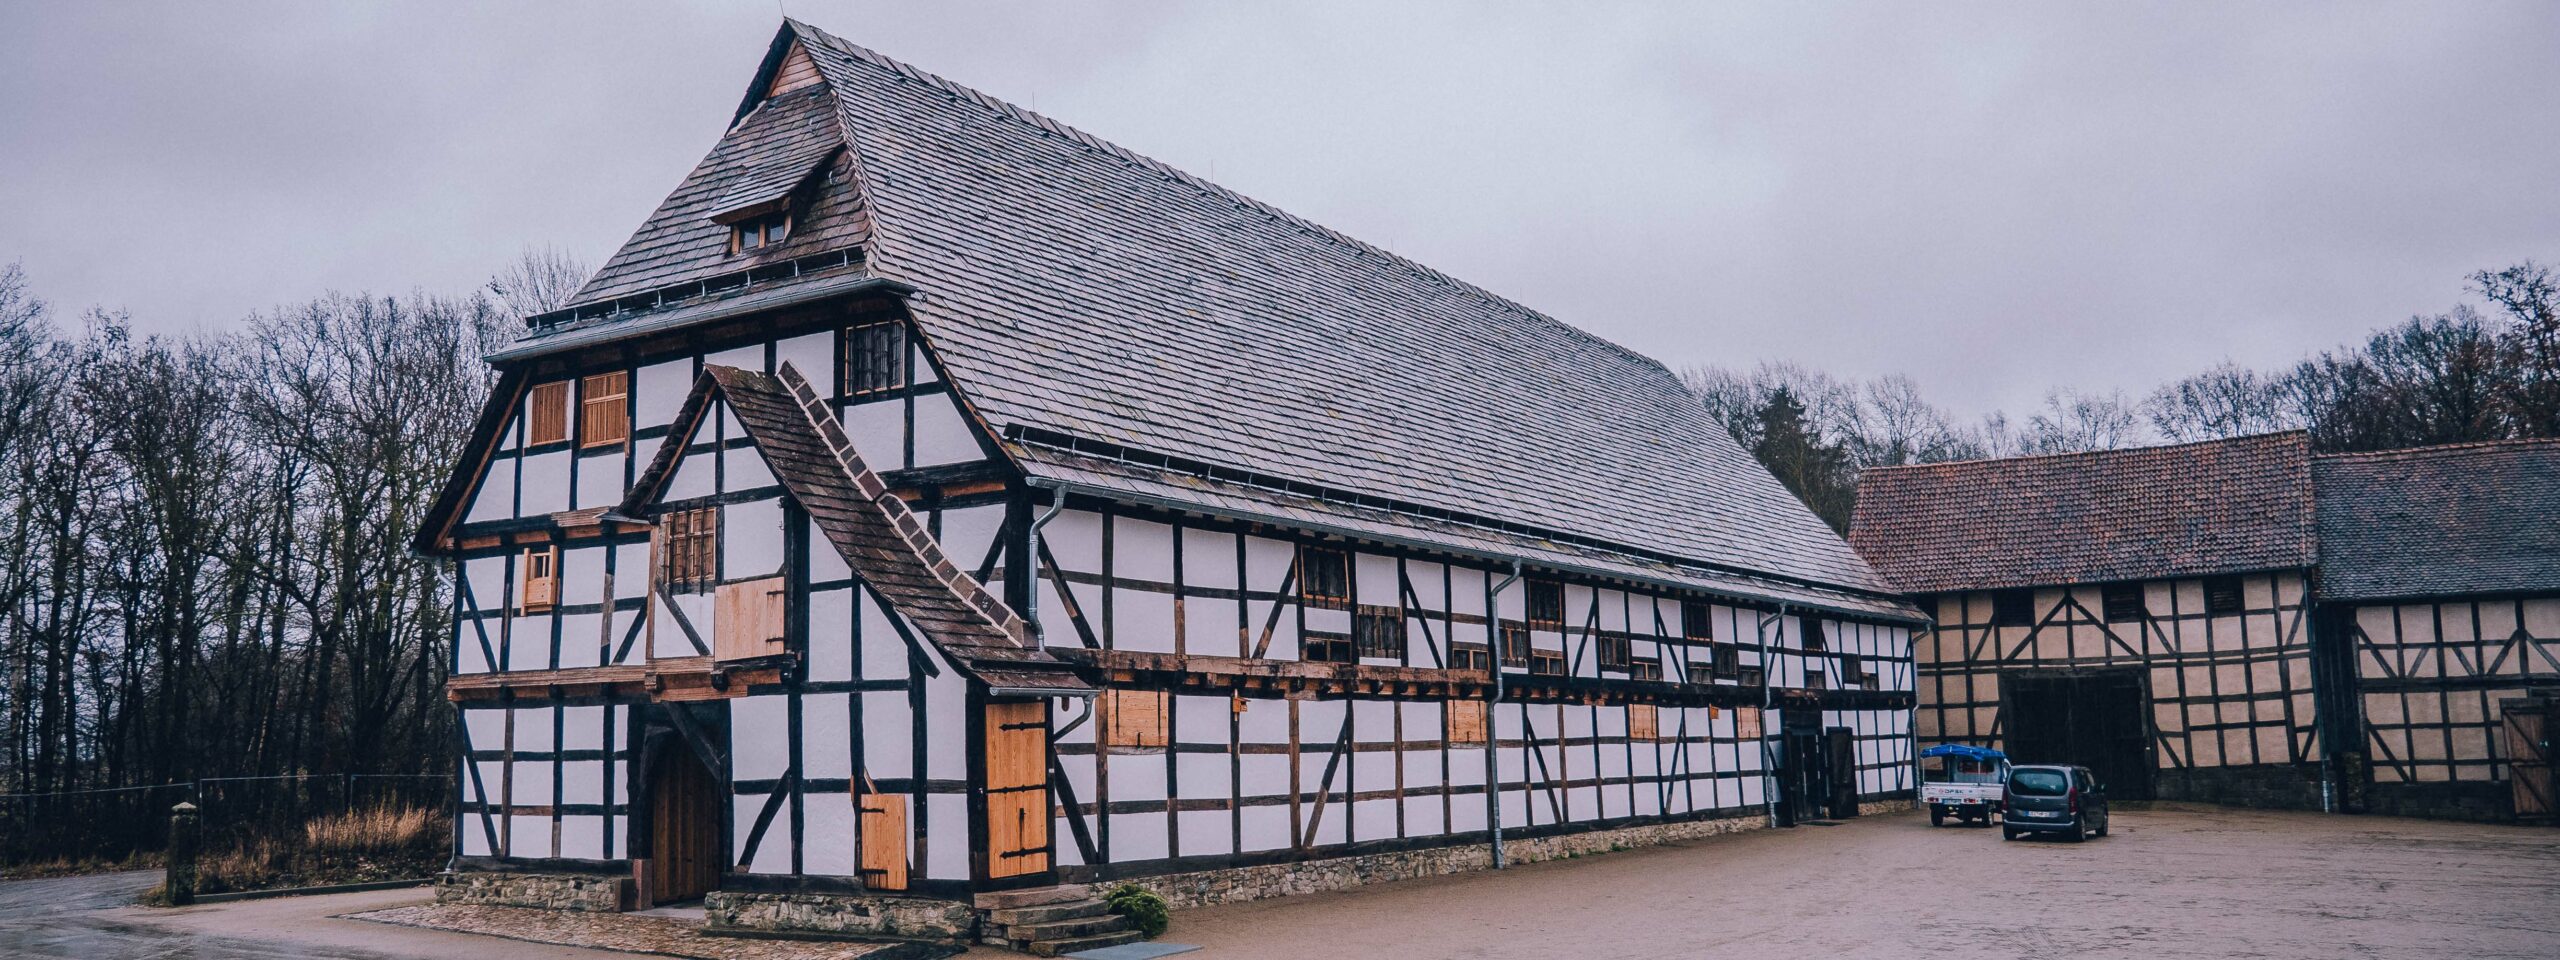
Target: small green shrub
x: 1149, y: 912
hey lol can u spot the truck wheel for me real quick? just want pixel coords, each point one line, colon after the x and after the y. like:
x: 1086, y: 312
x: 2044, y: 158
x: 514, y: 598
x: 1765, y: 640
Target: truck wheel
x: 2008, y: 834
x: 1937, y: 817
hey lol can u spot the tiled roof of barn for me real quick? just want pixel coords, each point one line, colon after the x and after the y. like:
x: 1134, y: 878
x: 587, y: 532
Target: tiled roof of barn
x: 1075, y: 288
x: 2460, y: 519
x: 2220, y: 506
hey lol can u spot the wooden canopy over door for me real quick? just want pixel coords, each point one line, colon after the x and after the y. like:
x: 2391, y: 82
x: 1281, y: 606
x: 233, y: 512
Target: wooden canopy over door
x: 684, y: 823
x: 1017, y: 765
x: 2529, y: 733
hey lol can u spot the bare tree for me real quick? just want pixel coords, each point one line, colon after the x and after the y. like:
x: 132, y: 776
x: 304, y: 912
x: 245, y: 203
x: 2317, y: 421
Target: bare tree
x: 2227, y: 400
x: 537, y: 281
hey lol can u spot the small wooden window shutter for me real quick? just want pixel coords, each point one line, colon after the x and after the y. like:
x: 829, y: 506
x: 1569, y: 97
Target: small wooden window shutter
x: 540, y: 587
x: 1136, y: 718
x: 747, y: 619
x: 603, y: 418
x: 1643, y: 722
x: 547, y: 414
x: 1746, y: 723
x: 1466, y: 721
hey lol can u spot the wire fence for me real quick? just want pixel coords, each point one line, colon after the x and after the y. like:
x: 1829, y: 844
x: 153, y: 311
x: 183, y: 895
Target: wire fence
x: 119, y: 823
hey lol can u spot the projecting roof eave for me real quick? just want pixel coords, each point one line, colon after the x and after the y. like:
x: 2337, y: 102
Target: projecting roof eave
x: 644, y: 323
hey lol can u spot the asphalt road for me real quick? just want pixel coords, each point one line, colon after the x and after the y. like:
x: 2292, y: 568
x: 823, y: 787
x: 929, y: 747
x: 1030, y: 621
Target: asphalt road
x: 93, y: 918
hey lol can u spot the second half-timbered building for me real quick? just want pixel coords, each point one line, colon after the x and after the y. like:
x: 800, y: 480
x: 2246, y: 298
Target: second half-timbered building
x: 2242, y: 620
x: 931, y: 499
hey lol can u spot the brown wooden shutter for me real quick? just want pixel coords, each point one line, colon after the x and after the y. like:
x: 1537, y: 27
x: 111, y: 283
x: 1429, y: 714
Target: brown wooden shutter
x: 747, y: 618
x: 540, y: 589
x: 1746, y: 723
x: 1466, y: 721
x: 547, y: 414
x: 603, y: 417
x: 1136, y: 718
x: 1643, y: 722
x: 884, y: 841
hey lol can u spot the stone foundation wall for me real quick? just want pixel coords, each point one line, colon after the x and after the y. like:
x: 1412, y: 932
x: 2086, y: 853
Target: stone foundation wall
x: 2476, y: 800
x: 866, y: 917
x: 2273, y: 786
x: 1239, y: 884
x: 548, y: 891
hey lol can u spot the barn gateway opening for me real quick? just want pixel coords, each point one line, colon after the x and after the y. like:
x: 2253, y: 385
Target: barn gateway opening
x: 2094, y: 718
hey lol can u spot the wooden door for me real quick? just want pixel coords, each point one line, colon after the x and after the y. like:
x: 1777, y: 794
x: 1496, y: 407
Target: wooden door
x: 2529, y: 767
x: 684, y: 829
x: 1017, y: 764
x: 1840, y: 748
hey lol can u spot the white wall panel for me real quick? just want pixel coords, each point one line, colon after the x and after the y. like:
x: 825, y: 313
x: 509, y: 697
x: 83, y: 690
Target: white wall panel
x: 528, y: 836
x: 879, y: 432
x: 826, y: 736
x: 827, y: 835
x: 495, y: 497
x: 546, y: 483
x: 600, y: 479
x: 943, y: 436
x: 814, y: 355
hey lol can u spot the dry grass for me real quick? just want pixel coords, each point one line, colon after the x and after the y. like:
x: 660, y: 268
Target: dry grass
x: 376, y: 830
x: 374, y: 843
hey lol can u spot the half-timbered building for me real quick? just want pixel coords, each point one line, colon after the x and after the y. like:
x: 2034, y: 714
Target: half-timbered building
x: 2241, y: 620
x: 931, y: 499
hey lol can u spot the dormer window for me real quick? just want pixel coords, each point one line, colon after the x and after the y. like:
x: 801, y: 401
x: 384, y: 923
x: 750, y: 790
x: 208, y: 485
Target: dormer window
x: 758, y: 233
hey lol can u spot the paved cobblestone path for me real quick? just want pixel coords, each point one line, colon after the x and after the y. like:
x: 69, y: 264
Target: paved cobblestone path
x: 2185, y: 882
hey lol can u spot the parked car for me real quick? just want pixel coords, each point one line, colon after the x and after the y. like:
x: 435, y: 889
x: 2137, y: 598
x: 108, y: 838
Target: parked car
x: 1966, y: 783
x: 2045, y: 798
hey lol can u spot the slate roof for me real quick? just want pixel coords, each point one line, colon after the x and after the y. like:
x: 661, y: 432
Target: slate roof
x: 680, y: 242
x: 1072, y: 287
x: 2221, y: 506
x: 2460, y: 519
x: 879, y: 538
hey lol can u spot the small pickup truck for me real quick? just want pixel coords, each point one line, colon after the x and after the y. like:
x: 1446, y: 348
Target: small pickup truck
x: 1965, y: 783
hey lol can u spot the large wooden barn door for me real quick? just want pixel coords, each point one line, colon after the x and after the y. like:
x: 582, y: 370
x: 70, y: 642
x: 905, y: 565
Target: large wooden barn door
x: 2095, y: 718
x: 1017, y: 764
x: 2529, y: 766
x: 684, y: 823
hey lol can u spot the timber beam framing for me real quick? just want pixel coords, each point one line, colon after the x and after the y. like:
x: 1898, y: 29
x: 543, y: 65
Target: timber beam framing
x: 1299, y: 678
x: 668, y: 680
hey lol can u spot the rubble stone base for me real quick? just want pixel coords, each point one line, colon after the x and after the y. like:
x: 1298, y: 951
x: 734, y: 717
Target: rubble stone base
x: 549, y: 891
x: 1239, y: 884
x: 844, y: 915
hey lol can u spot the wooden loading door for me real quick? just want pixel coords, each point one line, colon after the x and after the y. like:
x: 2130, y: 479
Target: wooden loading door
x: 2528, y: 745
x: 684, y: 821
x: 1017, y: 763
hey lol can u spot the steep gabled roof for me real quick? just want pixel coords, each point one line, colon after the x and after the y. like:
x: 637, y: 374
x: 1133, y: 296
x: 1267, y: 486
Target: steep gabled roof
x: 2466, y: 518
x: 1074, y: 289
x: 2221, y: 506
x: 879, y: 538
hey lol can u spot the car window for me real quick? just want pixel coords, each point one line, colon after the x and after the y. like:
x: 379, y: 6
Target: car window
x: 2039, y: 783
x: 2082, y: 777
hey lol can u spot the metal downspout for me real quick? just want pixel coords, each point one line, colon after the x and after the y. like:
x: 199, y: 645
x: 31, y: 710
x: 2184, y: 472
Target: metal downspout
x: 1031, y: 560
x: 1768, y: 672
x: 1492, y: 726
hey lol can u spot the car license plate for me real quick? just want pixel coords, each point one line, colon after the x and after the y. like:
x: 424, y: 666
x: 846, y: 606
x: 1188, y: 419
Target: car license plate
x: 2034, y: 813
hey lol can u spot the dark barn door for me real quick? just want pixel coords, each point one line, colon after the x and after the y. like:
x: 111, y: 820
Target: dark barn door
x: 2528, y: 734
x: 1804, y: 774
x: 1842, y: 747
x: 2089, y: 717
x: 684, y: 829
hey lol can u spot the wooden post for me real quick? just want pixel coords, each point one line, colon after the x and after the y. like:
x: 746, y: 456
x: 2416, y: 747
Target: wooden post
x: 180, y: 883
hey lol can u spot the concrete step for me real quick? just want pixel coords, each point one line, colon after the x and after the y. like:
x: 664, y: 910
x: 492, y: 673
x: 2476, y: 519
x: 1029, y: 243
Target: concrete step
x: 1044, y: 913
x: 1067, y: 929
x: 1059, y: 948
x: 1036, y: 896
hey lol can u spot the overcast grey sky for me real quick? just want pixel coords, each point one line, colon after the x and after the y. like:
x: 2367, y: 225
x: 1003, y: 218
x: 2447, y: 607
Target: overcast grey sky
x: 1993, y: 199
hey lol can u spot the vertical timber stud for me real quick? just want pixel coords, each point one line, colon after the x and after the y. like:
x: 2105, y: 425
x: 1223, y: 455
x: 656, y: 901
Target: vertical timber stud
x: 1768, y: 675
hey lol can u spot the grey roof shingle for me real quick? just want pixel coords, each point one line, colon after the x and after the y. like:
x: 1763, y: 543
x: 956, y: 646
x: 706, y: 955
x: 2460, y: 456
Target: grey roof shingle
x: 2221, y: 506
x: 2469, y: 518
x: 1073, y: 287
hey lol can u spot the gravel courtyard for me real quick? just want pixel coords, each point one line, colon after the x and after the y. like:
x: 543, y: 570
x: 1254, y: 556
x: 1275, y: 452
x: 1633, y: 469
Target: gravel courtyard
x: 2186, y: 882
